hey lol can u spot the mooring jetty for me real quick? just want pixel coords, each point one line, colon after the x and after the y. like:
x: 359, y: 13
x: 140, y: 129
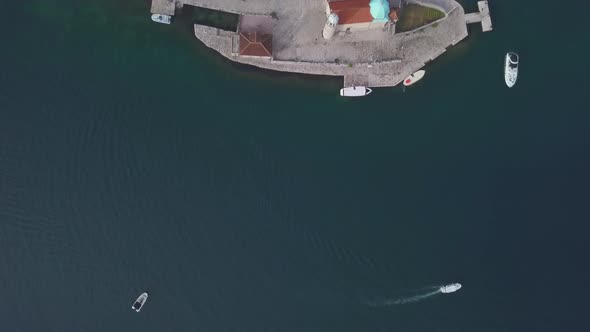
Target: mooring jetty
x: 355, y: 39
x: 482, y: 16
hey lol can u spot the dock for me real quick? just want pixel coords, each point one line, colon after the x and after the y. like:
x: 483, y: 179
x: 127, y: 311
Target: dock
x: 482, y: 16
x: 164, y: 7
x: 367, y: 58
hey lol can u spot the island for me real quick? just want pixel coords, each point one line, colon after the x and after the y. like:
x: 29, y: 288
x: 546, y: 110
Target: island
x: 372, y: 43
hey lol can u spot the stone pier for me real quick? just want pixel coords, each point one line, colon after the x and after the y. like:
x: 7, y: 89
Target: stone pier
x: 482, y: 16
x: 165, y: 7
x: 374, y: 58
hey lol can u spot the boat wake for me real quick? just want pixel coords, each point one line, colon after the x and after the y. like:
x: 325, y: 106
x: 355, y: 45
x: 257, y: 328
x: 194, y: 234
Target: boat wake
x: 434, y: 290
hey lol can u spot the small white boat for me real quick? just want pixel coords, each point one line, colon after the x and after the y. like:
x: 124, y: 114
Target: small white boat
x: 355, y: 91
x: 511, y: 69
x: 138, y: 304
x: 450, y: 288
x: 161, y: 18
x: 415, y: 77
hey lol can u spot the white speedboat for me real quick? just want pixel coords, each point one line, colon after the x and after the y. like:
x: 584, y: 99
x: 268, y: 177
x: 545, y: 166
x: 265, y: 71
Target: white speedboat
x: 161, y: 18
x: 511, y: 69
x: 450, y: 288
x: 355, y: 91
x: 415, y: 77
x: 138, y: 304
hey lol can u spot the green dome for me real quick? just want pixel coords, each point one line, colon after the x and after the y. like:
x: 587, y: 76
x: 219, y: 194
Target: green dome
x: 379, y: 10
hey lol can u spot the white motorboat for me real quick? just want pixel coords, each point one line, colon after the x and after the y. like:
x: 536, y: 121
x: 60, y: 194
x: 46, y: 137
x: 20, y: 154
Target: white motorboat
x: 511, y: 69
x: 355, y: 91
x: 161, y: 18
x: 450, y: 288
x: 138, y: 304
x: 415, y: 77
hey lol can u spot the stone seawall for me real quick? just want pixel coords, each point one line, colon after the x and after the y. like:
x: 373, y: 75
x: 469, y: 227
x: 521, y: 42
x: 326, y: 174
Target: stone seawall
x: 374, y: 58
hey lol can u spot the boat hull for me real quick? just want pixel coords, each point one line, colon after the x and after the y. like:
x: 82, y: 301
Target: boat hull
x: 510, y: 69
x: 161, y: 18
x: 138, y: 304
x: 415, y: 77
x: 450, y: 288
x: 355, y: 91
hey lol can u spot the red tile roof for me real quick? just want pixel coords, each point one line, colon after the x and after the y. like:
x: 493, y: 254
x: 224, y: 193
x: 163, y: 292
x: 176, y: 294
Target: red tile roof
x: 351, y: 11
x: 393, y: 16
x: 255, y: 44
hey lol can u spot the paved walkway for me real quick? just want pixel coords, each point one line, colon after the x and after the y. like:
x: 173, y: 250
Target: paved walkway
x: 482, y: 16
x: 165, y: 7
x: 297, y: 35
x: 419, y: 48
x: 372, y: 58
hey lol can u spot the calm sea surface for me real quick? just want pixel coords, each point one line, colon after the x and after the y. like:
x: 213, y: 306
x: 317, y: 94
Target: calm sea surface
x: 132, y: 158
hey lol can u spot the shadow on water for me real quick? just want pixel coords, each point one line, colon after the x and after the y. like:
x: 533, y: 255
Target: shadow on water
x: 189, y: 15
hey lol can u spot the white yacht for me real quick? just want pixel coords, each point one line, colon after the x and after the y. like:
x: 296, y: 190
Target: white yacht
x: 511, y: 69
x: 450, y: 288
x: 415, y: 77
x: 161, y: 18
x: 138, y: 304
x: 355, y: 91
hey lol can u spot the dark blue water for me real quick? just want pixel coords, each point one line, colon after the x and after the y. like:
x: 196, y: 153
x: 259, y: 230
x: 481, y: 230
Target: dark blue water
x: 132, y: 159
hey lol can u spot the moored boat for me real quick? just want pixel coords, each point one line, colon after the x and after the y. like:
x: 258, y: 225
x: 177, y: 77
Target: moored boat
x: 511, y: 69
x: 138, y: 304
x: 355, y: 91
x: 415, y: 77
x: 161, y: 18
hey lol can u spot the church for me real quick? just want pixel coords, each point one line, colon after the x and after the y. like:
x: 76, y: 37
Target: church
x: 358, y: 15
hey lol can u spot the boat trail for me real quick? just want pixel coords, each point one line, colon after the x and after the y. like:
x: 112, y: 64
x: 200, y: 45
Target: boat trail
x: 432, y: 291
